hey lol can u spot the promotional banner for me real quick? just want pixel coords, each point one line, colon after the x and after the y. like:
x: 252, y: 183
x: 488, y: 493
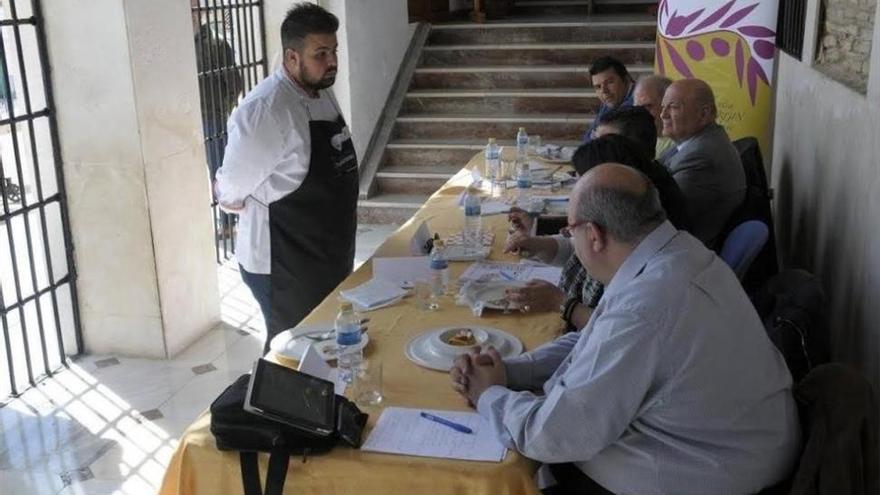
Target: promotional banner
x: 731, y: 45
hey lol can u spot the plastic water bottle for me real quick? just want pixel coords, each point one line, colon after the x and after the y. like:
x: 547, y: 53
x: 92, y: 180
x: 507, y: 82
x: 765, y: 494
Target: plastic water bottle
x: 523, y: 183
x: 493, y: 159
x: 349, y: 354
x: 522, y: 144
x: 471, y: 235
x: 439, y: 271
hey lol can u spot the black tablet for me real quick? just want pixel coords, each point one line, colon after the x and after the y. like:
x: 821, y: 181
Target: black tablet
x: 293, y: 398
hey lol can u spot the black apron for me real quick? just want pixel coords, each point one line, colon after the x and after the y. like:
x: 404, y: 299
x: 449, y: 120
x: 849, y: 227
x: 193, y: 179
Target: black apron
x: 312, y: 229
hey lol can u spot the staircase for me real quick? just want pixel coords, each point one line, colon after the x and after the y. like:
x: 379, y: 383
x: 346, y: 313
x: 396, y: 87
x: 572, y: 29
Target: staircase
x: 476, y: 81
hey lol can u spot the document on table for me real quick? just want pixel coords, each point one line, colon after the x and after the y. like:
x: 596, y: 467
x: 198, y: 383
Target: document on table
x: 403, y: 431
x: 404, y: 271
x: 373, y: 294
x: 519, y: 272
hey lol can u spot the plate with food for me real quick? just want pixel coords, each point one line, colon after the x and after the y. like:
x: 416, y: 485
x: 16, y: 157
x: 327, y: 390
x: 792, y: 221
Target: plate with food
x: 436, y: 349
x: 493, y: 294
x: 292, y: 343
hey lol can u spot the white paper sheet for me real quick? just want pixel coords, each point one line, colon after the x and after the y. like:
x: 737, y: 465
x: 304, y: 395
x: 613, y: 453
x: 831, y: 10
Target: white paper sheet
x: 402, y: 431
x: 373, y: 294
x: 520, y: 272
x: 312, y: 364
x: 403, y: 271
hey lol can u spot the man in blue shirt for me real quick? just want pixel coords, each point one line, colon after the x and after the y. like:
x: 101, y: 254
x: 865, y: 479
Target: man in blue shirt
x: 672, y: 387
x: 614, y: 88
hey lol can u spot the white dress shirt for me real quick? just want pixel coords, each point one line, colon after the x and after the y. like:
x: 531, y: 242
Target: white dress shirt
x: 267, y: 157
x: 673, y: 387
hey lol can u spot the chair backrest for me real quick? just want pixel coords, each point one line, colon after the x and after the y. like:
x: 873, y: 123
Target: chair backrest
x: 742, y: 245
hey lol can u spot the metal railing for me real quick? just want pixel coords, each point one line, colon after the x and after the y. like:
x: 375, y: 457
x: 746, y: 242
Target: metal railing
x: 39, y: 311
x: 231, y: 59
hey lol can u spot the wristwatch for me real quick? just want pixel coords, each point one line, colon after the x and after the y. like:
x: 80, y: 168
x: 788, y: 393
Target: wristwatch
x: 567, y: 308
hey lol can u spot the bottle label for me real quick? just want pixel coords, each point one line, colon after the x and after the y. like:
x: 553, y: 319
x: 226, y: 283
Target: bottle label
x: 472, y: 211
x: 439, y: 264
x: 523, y: 184
x: 348, y: 336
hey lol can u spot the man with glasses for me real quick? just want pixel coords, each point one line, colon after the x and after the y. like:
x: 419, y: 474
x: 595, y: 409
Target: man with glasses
x: 291, y: 173
x: 672, y: 387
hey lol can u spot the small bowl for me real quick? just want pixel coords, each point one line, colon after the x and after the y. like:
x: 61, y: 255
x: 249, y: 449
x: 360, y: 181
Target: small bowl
x: 441, y: 340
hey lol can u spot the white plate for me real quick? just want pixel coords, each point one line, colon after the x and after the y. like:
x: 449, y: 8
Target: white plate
x: 420, y: 351
x: 292, y: 344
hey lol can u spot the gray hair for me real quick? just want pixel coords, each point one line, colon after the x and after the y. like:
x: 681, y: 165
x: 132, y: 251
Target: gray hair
x: 626, y: 215
x: 656, y: 82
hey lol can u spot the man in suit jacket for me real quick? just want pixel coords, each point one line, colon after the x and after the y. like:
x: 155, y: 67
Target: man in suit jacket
x: 703, y: 162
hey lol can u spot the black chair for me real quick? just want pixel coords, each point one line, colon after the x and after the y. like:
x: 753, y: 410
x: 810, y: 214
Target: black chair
x: 755, y: 206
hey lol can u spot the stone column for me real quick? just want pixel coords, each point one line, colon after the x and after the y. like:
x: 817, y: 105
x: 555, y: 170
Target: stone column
x: 124, y: 76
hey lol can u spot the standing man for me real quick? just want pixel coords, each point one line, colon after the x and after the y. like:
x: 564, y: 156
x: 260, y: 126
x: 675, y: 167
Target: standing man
x: 649, y: 93
x: 291, y: 173
x: 614, y: 88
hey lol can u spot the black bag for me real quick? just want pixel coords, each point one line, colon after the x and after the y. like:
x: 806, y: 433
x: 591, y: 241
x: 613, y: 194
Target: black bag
x: 236, y: 429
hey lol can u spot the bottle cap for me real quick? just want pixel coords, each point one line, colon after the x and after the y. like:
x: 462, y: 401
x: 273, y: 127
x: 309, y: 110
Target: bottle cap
x: 345, y: 306
x: 522, y: 129
x: 491, y: 140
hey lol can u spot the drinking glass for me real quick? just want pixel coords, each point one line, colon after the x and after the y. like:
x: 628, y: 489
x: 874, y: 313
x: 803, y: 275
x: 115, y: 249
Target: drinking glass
x: 534, y: 142
x: 367, y: 386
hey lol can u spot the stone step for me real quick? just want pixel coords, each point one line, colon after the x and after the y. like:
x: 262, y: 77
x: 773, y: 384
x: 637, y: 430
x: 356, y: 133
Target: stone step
x: 551, y: 126
x: 390, y: 208
x: 512, y: 101
x: 578, y: 7
x: 510, y: 77
x: 638, y: 29
x: 535, y: 54
x: 422, y: 177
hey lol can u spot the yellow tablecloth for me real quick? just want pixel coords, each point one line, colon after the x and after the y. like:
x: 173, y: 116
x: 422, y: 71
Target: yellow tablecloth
x: 197, y: 467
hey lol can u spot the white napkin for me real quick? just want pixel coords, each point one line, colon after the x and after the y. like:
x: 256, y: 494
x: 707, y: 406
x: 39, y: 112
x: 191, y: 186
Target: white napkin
x: 373, y: 294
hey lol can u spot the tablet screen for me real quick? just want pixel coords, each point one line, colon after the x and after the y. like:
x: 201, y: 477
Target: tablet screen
x: 292, y: 397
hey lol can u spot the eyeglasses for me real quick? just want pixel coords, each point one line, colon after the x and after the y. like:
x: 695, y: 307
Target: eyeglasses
x: 567, y: 230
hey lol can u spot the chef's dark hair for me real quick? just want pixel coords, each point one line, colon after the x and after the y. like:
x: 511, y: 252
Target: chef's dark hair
x: 304, y: 19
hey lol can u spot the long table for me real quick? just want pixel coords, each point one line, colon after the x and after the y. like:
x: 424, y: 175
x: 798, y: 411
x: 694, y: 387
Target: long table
x: 198, y: 468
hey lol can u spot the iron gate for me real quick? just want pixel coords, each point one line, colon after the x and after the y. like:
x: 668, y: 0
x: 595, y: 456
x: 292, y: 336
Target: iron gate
x: 38, y: 301
x: 230, y: 53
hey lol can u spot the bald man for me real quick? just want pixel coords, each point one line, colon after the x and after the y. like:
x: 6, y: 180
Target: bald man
x: 672, y: 386
x: 648, y: 94
x: 703, y: 162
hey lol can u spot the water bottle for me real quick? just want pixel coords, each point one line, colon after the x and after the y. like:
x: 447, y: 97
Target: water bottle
x: 523, y: 183
x: 493, y: 158
x: 439, y: 272
x: 522, y: 144
x: 349, y: 354
x: 471, y: 235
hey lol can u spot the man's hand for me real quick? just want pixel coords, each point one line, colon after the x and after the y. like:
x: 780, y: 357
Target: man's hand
x: 233, y: 208
x: 520, y: 220
x: 462, y: 367
x: 517, y: 241
x: 537, y: 295
x: 486, y: 370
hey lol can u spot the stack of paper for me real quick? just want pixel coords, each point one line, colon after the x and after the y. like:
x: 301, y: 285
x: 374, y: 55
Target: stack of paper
x: 374, y: 294
x: 404, y: 431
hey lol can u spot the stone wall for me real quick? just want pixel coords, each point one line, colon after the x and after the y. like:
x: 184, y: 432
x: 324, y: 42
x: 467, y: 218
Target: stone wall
x: 845, y: 37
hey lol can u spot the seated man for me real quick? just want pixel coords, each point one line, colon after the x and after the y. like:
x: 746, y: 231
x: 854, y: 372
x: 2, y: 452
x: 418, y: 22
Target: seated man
x: 635, y: 123
x: 614, y: 87
x: 703, y: 162
x: 673, y: 387
x: 648, y: 93
x: 577, y: 292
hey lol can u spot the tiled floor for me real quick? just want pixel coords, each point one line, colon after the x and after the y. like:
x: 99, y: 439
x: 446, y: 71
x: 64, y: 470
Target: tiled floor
x: 109, y: 424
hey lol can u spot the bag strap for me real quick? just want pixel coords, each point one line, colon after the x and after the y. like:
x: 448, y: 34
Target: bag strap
x: 275, y: 475
x: 250, y: 473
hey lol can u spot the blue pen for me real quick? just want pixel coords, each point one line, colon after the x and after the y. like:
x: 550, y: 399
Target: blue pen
x: 507, y: 275
x: 446, y: 422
